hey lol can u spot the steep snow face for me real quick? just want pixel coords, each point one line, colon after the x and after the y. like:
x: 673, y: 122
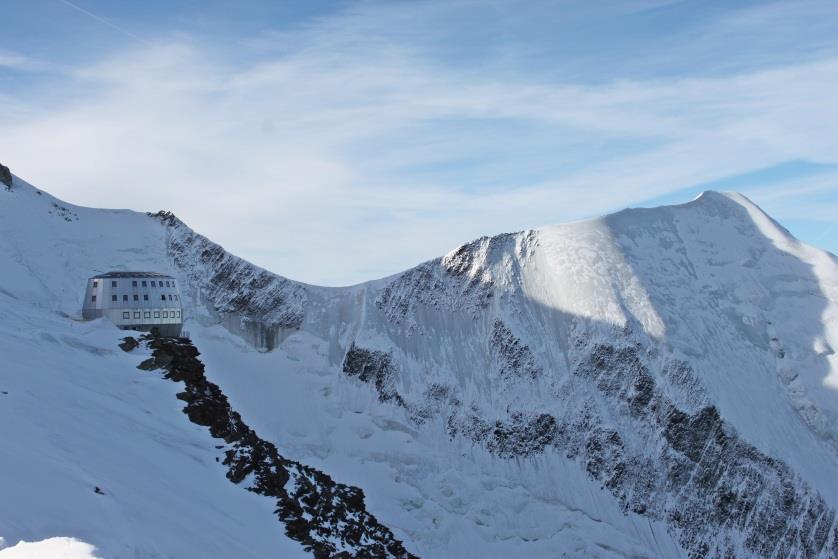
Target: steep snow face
x: 680, y: 356
x: 691, y: 341
x: 718, y: 284
x: 653, y: 383
x: 254, y: 303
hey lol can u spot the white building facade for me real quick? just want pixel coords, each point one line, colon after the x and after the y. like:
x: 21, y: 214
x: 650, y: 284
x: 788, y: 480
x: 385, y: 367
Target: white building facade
x: 145, y: 301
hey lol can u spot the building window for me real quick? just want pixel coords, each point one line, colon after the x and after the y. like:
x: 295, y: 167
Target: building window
x: 177, y: 314
x: 95, y: 283
x: 153, y: 284
x: 113, y: 284
x: 125, y: 297
x: 147, y: 314
x: 145, y: 297
x: 134, y: 283
x: 175, y: 297
x: 137, y: 315
x: 170, y: 296
x: 156, y: 314
x: 113, y: 297
x: 165, y: 314
x: 136, y: 297
x: 145, y: 283
x: 126, y: 315
x: 163, y: 297
x: 93, y: 298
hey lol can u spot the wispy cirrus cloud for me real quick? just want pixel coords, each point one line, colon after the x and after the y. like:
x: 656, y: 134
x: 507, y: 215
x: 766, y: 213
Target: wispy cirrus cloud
x: 352, y: 147
x: 12, y: 60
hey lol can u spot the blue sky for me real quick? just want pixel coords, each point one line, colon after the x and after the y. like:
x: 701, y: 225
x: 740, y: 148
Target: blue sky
x: 334, y: 142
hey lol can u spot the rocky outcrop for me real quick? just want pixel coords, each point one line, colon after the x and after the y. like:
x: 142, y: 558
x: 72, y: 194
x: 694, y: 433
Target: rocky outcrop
x: 684, y: 466
x: 721, y: 495
x: 374, y: 367
x: 521, y: 434
x: 434, y: 285
x: 513, y: 357
x: 462, y: 281
x: 328, y: 518
x: 6, y: 176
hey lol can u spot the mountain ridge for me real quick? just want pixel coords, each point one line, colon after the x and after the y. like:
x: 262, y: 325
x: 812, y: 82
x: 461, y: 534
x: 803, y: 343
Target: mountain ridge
x: 550, y: 348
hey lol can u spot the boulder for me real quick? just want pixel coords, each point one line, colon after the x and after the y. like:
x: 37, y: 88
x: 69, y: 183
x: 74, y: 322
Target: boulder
x: 5, y: 176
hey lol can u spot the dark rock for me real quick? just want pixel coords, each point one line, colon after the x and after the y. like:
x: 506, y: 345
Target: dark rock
x: 6, y: 176
x: 725, y: 497
x: 522, y: 434
x: 374, y: 367
x: 321, y: 514
x: 128, y: 343
x: 514, y: 358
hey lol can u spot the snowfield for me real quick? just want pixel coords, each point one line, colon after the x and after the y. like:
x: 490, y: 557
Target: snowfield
x: 65, y: 548
x: 655, y: 383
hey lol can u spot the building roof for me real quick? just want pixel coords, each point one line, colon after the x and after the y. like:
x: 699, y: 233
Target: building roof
x: 133, y: 275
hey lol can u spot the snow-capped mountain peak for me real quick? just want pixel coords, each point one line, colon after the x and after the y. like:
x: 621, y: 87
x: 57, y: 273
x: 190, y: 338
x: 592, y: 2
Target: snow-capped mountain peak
x: 656, y: 382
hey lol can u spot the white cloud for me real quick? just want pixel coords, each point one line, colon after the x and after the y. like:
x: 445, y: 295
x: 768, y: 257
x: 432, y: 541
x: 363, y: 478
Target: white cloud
x: 16, y: 61
x: 314, y: 160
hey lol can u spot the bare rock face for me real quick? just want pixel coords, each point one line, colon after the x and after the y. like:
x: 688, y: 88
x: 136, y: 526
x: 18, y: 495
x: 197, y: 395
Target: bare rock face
x: 6, y: 176
x: 328, y: 518
x: 374, y: 367
x: 465, y: 280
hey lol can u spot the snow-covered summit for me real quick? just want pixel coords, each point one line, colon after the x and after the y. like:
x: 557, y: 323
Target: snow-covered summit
x: 656, y: 382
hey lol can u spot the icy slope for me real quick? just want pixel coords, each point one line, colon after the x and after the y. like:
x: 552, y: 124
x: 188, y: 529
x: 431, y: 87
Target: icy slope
x: 654, y: 383
x: 704, y: 329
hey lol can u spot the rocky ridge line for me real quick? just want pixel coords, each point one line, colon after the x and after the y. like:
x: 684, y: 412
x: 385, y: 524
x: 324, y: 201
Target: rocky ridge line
x: 256, y: 303
x: 328, y: 518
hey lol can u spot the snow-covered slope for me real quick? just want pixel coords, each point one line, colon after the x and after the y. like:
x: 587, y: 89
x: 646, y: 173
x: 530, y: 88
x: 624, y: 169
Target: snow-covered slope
x: 655, y: 383
x: 77, y: 415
